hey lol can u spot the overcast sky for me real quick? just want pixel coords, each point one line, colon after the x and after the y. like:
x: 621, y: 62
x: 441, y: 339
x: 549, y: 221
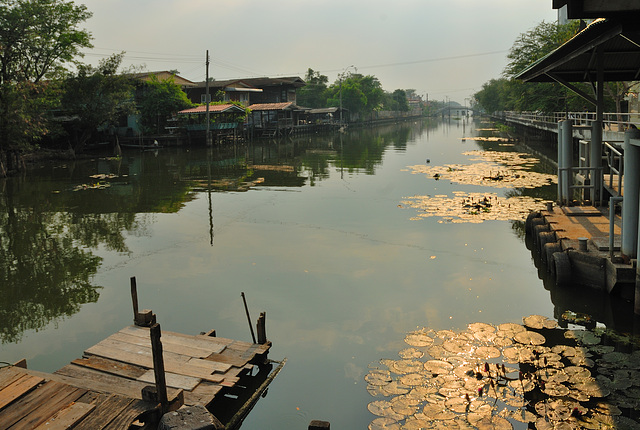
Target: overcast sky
x: 446, y: 48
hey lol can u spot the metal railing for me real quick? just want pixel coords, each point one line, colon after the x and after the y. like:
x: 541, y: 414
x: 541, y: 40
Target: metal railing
x: 615, y: 163
x: 611, y: 121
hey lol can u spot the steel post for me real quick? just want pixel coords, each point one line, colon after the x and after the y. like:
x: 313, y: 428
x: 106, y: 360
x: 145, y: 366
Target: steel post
x: 631, y: 186
x: 595, y: 161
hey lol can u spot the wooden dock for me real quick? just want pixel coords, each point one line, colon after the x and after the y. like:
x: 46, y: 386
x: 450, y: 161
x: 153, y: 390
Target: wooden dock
x: 574, y: 243
x: 130, y: 379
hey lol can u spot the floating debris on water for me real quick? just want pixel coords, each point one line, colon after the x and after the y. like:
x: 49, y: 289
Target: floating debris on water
x: 473, y: 207
x: 96, y: 186
x: 530, y: 375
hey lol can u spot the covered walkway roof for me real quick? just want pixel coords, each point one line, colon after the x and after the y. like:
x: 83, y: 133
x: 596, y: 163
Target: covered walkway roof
x: 577, y: 60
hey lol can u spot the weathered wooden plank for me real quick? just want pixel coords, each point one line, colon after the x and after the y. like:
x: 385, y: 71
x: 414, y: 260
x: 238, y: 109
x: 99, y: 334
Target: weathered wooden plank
x: 108, y: 408
x: 145, y: 360
x: 167, y: 345
x: 203, y: 394
x: 212, y: 344
x: 67, y: 417
x: 104, y: 382
x: 137, y: 409
x: 18, y: 388
x: 8, y: 375
x: 123, y: 351
x: 172, y: 379
x: 113, y: 367
x: 238, y: 353
x: 38, y: 405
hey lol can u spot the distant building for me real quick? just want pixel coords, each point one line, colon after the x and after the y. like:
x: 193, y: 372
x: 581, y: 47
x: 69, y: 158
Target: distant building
x: 249, y: 91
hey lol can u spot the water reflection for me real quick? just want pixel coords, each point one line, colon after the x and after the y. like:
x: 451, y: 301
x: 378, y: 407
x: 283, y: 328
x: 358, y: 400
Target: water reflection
x: 53, y: 220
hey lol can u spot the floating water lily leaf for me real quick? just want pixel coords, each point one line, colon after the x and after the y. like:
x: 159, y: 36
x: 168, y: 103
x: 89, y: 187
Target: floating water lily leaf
x: 378, y: 377
x: 404, y: 405
x: 583, y: 337
x: 382, y: 408
x: 486, y: 352
x: 556, y: 410
x: 385, y: 423
x: 418, y: 339
x: 463, y: 378
x: 539, y: 322
x: 553, y: 375
x: 461, y: 405
x: 522, y: 415
x: 530, y: 338
x: 422, y: 393
x: 416, y: 423
x: 413, y: 379
x: 411, y: 353
x: 406, y: 366
x: 394, y: 388
x: 438, y: 367
x: 457, y: 346
x: 438, y: 411
x: 509, y: 329
x: 493, y: 423
x: 565, y: 350
x: 438, y: 352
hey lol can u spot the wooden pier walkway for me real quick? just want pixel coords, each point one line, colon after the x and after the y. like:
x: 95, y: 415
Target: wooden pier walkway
x: 130, y: 379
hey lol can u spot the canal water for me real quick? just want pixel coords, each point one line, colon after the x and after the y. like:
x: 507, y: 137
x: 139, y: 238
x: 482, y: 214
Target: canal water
x: 316, y: 231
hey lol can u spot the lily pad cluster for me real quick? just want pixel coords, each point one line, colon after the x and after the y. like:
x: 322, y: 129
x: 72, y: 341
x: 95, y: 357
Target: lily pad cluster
x: 529, y: 375
x: 494, y: 168
x: 473, y: 207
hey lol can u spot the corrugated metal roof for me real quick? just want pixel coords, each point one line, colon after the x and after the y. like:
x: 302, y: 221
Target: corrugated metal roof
x: 273, y: 106
x: 575, y: 61
x: 296, y: 81
x: 213, y: 109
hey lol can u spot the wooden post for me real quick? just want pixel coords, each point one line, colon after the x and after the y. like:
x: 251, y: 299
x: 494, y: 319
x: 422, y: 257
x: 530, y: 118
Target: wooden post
x: 246, y: 309
x: 134, y: 298
x: 158, y: 368
x: 262, y: 329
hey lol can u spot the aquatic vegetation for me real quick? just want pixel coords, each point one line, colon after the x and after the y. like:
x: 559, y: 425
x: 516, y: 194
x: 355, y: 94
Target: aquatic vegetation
x: 473, y: 207
x: 529, y: 375
x: 493, y: 169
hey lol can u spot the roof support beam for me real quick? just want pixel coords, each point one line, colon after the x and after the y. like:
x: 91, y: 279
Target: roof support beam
x: 573, y: 88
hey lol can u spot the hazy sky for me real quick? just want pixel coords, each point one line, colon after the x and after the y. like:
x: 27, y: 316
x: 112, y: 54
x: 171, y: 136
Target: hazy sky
x: 445, y: 48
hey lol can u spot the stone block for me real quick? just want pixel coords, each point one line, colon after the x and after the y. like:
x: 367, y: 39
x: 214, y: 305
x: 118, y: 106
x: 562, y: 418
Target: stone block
x: 190, y: 418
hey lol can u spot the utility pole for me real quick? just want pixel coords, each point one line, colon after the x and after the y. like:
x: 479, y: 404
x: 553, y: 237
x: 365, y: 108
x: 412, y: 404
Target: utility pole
x: 208, y: 135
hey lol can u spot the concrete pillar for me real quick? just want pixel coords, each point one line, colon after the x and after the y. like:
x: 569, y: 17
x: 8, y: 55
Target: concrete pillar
x: 560, y: 162
x: 595, y: 160
x: 565, y: 160
x: 631, y: 186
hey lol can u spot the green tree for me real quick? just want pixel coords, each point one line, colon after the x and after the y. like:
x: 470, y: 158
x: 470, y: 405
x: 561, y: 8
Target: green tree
x: 160, y: 100
x: 314, y: 94
x: 360, y: 94
x: 96, y: 98
x: 400, y: 97
x: 37, y: 39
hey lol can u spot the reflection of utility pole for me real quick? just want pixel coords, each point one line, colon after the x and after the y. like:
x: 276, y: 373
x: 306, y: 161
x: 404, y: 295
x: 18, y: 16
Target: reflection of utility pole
x: 208, y: 136
x: 209, y: 154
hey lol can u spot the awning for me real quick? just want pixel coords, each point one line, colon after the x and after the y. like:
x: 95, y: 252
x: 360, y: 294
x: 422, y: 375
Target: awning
x: 226, y: 108
x: 576, y: 60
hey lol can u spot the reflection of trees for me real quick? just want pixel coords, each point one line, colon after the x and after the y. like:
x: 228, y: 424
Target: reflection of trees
x: 43, y: 275
x: 47, y: 232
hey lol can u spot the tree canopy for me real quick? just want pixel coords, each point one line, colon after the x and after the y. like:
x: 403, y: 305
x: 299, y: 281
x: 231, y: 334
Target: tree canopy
x: 160, y: 100
x: 96, y: 97
x: 314, y: 93
x: 38, y: 38
x: 506, y: 93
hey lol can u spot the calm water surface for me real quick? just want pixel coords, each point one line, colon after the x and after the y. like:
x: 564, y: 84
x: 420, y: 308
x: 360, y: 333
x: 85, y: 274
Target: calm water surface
x: 310, y: 229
